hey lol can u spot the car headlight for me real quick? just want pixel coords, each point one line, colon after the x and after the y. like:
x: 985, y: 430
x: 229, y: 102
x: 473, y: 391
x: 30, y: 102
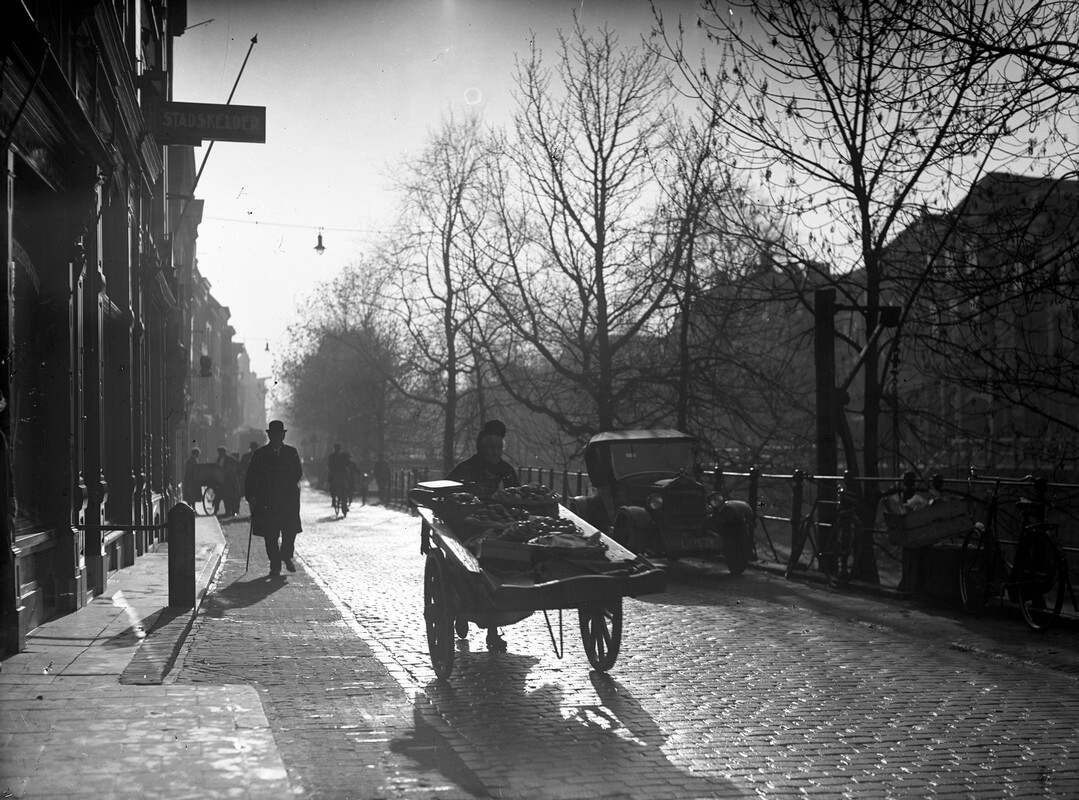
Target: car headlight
x: 655, y: 502
x: 715, y: 500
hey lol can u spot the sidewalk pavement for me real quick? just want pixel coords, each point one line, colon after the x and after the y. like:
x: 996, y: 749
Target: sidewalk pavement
x: 87, y: 711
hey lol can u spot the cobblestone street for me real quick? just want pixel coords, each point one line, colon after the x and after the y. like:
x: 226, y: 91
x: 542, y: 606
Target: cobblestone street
x: 725, y: 687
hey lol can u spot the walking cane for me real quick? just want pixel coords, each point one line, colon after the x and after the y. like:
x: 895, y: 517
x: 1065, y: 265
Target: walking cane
x: 250, y: 528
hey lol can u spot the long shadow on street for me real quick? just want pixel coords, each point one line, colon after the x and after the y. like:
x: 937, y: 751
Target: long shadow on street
x: 524, y: 733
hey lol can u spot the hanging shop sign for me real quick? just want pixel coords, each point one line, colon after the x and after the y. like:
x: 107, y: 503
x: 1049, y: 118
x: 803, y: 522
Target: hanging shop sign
x: 192, y: 123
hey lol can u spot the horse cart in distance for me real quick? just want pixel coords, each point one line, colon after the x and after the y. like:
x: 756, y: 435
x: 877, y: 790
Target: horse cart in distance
x: 648, y: 496
x: 494, y: 563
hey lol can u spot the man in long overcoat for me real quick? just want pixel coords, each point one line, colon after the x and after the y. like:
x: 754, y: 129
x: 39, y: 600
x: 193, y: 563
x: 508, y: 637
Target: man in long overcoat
x: 272, y: 489
x: 228, y: 492
x: 192, y: 489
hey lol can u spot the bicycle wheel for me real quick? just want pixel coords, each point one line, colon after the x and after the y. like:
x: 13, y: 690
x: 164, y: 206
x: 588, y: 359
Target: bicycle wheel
x: 798, y: 544
x: 975, y: 569
x: 1040, y: 577
x: 209, y: 497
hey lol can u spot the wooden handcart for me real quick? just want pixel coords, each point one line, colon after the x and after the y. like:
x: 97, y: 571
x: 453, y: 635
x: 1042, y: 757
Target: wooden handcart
x: 504, y: 584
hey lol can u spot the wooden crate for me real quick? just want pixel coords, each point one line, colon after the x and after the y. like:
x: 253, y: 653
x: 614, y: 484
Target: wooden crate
x: 497, y: 550
x: 942, y: 519
x: 525, y: 553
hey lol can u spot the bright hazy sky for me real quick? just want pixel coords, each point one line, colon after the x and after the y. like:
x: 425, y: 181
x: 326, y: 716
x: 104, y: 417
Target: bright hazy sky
x: 350, y: 87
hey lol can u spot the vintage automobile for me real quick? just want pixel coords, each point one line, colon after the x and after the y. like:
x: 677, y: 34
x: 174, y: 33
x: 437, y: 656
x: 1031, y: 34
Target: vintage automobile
x: 647, y: 494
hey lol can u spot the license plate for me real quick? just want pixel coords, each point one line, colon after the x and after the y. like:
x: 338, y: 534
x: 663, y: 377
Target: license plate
x: 693, y: 543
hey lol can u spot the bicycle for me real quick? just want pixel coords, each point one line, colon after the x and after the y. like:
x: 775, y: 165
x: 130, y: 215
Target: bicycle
x: 339, y: 494
x: 835, y: 556
x: 1036, y: 580
x: 210, y: 499
x: 846, y: 533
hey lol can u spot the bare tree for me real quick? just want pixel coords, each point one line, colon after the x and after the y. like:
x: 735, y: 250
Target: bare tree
x: 342, y: 369
x: 1006, y: 258
x: 576, y: 288
x: 435, y: 257
x: 1040, y: 35
x: 854, y: 119
x: 738, y: 378
x: 997, y: 325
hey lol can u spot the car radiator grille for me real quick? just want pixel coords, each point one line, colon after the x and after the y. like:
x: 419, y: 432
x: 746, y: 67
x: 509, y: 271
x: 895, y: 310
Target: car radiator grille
x: 683, y: 512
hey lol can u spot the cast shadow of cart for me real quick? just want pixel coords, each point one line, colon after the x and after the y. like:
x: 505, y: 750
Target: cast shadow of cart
x: 522, y: 735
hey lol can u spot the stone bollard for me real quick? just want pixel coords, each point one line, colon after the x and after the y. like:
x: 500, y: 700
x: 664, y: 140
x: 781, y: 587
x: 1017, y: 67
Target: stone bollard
x: 181, y: 556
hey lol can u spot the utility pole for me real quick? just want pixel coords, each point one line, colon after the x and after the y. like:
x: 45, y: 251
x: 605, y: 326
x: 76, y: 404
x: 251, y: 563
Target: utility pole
x: 824, y: 360
x: 832, y: 397
x: 827, y: 412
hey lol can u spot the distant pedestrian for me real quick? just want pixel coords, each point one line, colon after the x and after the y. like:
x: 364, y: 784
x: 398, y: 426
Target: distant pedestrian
x: 362, y: 479
x: 228, y: 490
x: 192, y: 488
x: 232, y: 498
x: 382, y: 480
x: 272, y: 488
x: 245, y: 462
x: 339, y: 467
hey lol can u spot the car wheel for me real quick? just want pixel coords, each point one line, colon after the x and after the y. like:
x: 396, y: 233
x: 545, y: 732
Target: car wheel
x: 735, y: 551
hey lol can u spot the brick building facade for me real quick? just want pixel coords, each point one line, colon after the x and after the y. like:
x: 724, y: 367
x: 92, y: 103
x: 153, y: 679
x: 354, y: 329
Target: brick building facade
x: 102, y: 295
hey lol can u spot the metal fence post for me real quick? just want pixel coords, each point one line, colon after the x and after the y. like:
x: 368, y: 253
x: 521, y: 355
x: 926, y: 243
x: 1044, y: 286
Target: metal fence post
x: 796, y: 503
x: 796, y: 522
x: 1041, y: 490
x: 754, y: 492
x: 181, y: 556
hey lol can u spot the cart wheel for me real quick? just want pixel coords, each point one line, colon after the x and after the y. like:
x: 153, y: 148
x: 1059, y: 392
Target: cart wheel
x: 208, y: 498
x: 438, y: 615
x: 461, y: 628
x: 601, y: 631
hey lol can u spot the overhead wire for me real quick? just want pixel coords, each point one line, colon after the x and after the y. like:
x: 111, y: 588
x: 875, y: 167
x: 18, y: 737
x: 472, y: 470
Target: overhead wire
x: 270, y: 224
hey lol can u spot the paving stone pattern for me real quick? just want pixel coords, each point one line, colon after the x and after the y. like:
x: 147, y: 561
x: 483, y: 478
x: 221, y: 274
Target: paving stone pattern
x: 147, y: 745
x: 725, y: 687
x: 74, y: 725
x: 343, y: 725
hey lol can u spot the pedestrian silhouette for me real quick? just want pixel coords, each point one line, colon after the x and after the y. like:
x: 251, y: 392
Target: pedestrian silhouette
x: 272, y: 488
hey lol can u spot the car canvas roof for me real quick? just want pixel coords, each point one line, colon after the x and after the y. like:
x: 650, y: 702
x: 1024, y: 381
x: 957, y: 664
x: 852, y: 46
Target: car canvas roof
x: 599, y: 470
x: 639, y: 435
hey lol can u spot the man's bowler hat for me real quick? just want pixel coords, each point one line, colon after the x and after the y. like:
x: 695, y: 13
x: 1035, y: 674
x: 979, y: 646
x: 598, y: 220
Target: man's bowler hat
x: 277, y: 426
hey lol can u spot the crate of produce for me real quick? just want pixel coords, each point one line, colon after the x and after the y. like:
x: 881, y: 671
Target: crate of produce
x: 535, y: 498
x: 942, y: 519
x: 538, y: 539
x: 485, y: 518
x: 454, y: 507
